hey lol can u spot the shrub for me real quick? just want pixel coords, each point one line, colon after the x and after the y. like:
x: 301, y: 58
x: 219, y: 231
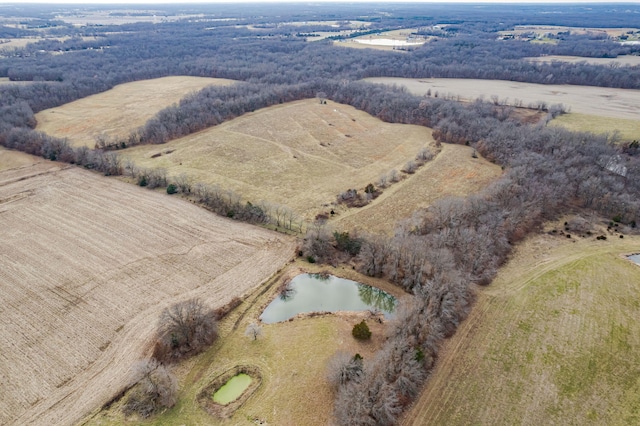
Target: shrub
x: 172, y: 189
x: 361, y: 331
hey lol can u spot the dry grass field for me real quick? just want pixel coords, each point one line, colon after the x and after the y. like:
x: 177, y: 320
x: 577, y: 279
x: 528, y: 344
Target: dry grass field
x: 86, y: 266
x: 116, y: 112
x: 554, y: 340
x: 454, y: 172
x: 15, y: 159
x: 594, y: 109
x: 625, y: 60
x: 629, y: 130
x: 292, y: 358
x: 300, y: 154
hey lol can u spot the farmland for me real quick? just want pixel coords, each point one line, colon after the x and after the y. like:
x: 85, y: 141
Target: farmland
x: 387, y: 40
x: 117, y: 112
x: 604, y: 109
x: 301, y: 154
x: 626, y: 60
x: 553, y: 340
x: 87, y: 264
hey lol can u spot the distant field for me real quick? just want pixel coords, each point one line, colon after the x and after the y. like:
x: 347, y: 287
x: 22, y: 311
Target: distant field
x: 594, y: 109
x: 388, y: 40
x: 86, y: 266
x: 625, y: 60
x: 602, y: 101
x: 120, y: 110
x: 452, y: 173
x: 555, y: 29
x: 300, y: 154
x: 629, y: 129
x: 554, y: 340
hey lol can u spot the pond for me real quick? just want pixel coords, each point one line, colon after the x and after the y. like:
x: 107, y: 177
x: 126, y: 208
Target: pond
x: 232, y: 389
x: 326, y: 293
x: 635, y: 258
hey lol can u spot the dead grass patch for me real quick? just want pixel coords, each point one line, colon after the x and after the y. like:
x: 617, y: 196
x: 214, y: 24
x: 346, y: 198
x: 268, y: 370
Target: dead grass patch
x: 117, y: 112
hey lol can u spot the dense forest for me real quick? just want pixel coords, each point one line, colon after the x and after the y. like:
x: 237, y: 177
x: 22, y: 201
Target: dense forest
x: 439, y: 254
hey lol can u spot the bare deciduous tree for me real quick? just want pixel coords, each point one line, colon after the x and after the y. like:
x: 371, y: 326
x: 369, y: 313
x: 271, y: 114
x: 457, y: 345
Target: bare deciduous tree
x: 253, y: 330
x: 155, y: 387
x: 185, y: 328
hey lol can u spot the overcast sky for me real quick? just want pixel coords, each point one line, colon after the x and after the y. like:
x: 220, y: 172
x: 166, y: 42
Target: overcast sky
x: 302, y: 1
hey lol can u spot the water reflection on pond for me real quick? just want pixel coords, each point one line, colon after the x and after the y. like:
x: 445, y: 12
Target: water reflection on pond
x: 635, y: 258
x: 326, y: 293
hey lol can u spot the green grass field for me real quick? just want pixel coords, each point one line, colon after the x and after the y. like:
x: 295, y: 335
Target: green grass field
x: 554, y: 340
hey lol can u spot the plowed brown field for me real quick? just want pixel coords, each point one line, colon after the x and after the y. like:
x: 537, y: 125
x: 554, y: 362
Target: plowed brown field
x: 86, y: 266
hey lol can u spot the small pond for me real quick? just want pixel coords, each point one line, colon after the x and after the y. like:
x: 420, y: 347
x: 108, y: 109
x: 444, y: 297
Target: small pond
x: 326, y: 293
x: 635, y: 258
x: 232, y: 389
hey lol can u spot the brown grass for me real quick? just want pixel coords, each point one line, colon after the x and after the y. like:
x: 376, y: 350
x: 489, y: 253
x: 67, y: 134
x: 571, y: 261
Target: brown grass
x: 554, y: 340
x: 453, y: 172
x: 300, y: 154
x: 117, y: 112
x: 86, y: 266
x: 14, y: 159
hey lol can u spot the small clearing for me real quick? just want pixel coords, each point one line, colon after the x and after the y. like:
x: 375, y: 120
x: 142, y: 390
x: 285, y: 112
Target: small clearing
x: 86, y: 266
x: 628, y: 130
x: 300, y: 154
x: 117, y: 112
x: 554, y: 340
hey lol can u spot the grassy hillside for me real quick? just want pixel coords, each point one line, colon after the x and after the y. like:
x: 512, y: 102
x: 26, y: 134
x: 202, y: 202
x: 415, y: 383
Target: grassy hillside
x: 116, y: 112
x: 300, y: 154
x: 554, y: 340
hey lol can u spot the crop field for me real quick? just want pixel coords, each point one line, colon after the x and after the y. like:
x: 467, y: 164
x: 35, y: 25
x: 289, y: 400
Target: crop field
x: 86, y: 266
x: 292, y: 358
x: 625, y: 60
x: 453, y: 172
x: 611, y: 109
x: 300, y: 154
x: 117, y: 112
x: 554, y: 340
